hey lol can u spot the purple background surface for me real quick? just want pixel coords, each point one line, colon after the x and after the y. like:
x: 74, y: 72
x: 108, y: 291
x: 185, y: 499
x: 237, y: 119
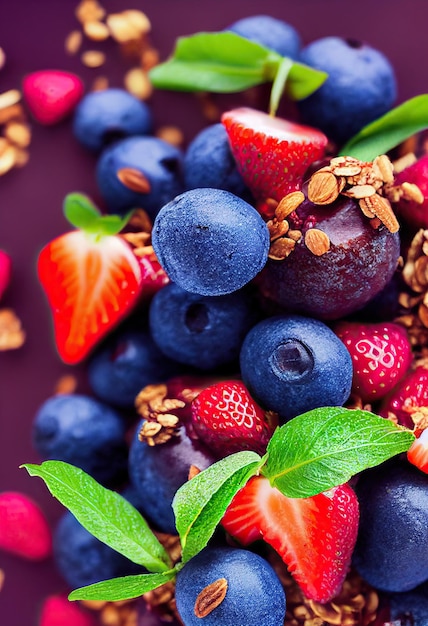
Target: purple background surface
x: 32, y: 35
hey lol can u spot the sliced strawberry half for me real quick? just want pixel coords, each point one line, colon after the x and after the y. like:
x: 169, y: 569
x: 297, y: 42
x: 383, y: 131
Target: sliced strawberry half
x: 92, y: 281
x: 272, y: 154
x: 418, y: 452
x: 314, y: 536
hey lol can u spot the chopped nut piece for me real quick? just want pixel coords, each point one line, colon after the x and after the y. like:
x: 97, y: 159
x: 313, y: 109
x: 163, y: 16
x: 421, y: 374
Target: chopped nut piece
x: 12, y: 335
x: 134, y: 179
x: 88, y: 11
x: 9, y: 98
x: 97, y: 31
x: 288, y: 204
x: 412, y: 192
x: 281, y: 248
x: 1, y: 579
x: 18, y: 133
x: 66, y: 384
x: 2, y: 58
x: 277, y: 229
x: 317, y: 241
x: 137, y: 83
x: 347, y: 170
x: 12, y: 112
x: 210, y: 597
x: 171, y: 134
x: 73, y: 42
x: 403, y: 162
x: 381, y: 208
x: 93, y: 58
x: 122, y: 28
x: 7, y: 160
x: 193, y: 471
x: 360, y: 191
x: 383, y: 168
x: 100, y: 83
x: 138, y: 19
x: 323, y: 187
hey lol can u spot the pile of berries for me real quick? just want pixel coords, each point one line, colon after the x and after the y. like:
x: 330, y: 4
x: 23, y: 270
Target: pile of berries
x: 226, y: 290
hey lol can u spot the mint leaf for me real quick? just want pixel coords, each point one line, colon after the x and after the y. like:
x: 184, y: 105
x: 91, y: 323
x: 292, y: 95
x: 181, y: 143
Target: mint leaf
x: 200, y: 503
x: 325, y: 447
x: 112, y: 224
x: 123, y: 588
x: 389, y: 130
x: 303, y: 80
x: 217, y: 62
x: 84, y: 215
x: 226, y: 62
x: 80, y: 211
x: 104, y: 513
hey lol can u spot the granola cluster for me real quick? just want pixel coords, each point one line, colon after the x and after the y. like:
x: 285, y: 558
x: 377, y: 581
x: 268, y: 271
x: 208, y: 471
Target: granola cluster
x: 155, y: 408
x: 415, y: 300
x: 371, y: 184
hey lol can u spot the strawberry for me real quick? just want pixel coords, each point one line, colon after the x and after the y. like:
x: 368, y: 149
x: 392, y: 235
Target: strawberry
x: 417, y: 454
x: 57, y: 610
x: 24, y: 530
x: 408, y: 401
x: 228, y: 420
x: 381, y: 355
x: 91, y: 278
x: 413, y: 208
x: 51, y: 95
x: 271, y: 154
x: 153, y: 275
x: 314, y: 536
x: 5, y: 271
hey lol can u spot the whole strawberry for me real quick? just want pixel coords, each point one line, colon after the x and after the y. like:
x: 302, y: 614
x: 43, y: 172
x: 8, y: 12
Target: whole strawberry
x: 272, y: 154
x: 408, y: 401
x: 412, y: 207
x: 381, y: 355
x: 24, y: 530
x: 5, y: 271
x: 52, y: 95
x: 91, y: 278
x: 227, y: 419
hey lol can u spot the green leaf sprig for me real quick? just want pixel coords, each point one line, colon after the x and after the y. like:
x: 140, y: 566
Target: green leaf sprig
x: 390, y: 130
x: 83, y: 214
x: 226, y: 62
x: 311, y: 453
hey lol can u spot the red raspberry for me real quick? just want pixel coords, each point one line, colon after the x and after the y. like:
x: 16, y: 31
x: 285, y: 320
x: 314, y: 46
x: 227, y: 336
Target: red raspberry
x: 59, y: 611
x: 24, y: 530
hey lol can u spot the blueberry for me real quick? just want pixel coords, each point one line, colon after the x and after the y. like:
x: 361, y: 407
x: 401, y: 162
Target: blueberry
x: 410, y: 608
x: 82, y: 431
x: 270, y: 32
x: 210, y: 242
x: 125, y: 363
x: 208, y: 162
x: 156, y: 472
x: 82, y: 559
x: 254, y: 594
x: 391, y: 552
x: 157, y: 161
x: 360, y: 87
x: 102, y: 117
x: 293, y: 364
x: 201, y: 331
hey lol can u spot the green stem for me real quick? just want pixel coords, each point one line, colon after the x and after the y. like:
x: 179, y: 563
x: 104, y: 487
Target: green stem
x: 279, y: 83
